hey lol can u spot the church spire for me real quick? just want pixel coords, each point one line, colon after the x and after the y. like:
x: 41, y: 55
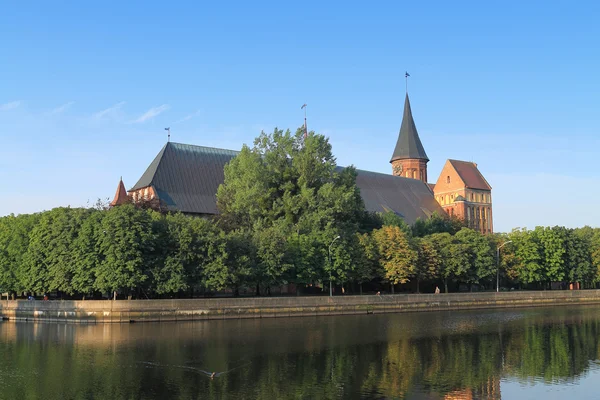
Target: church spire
x: 408, y: 145
x: 409, y: 158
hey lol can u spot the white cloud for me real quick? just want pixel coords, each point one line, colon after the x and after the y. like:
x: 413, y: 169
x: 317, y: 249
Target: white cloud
x: 188, y: 117
x: 10, y: 106
x: 109, y: 110
x: 151, y: 113
x: 62, y: 108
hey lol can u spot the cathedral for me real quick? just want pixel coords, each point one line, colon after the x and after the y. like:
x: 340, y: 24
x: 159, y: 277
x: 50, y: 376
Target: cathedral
x: 184, y: 177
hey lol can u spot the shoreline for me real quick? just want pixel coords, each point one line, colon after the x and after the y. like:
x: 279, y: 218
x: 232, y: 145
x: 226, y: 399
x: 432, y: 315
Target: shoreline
x: 131, y: 311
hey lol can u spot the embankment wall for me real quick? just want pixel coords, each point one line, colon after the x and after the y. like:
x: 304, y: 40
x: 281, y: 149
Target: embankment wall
x: 126, y: 311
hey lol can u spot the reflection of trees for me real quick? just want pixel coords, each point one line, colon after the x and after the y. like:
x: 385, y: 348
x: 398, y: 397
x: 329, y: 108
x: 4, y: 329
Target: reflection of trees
x: 303, y: 358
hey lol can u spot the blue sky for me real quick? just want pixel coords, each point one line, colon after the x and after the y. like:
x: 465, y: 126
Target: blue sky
x: 86, y: 91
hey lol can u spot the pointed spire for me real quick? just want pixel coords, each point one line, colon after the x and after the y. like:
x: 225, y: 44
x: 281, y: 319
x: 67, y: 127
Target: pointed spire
x: 120, y: 195
x: 409, y: 145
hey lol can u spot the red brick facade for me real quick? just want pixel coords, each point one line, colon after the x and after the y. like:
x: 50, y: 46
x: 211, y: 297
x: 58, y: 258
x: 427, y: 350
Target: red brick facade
x: 410, y: 168
x: 473, y: 203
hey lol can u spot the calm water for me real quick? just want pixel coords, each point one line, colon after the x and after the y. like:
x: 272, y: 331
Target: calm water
x: 525, y: 354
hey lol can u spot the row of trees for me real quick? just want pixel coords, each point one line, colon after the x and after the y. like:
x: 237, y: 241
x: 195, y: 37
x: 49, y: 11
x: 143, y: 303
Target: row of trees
x: 287, y: 215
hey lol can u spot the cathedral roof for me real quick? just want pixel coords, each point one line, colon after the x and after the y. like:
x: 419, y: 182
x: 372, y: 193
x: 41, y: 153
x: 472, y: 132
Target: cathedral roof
x: 120, y: 195
x: 470, y: 175
x: 408, y: 145
x: 186, y: 178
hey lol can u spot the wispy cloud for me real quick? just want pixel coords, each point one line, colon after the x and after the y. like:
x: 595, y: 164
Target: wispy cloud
x: 109, y: 110
x: 188, y: 117
x: 151, y: 113
x: 10, y: 106
x: 62, y: 108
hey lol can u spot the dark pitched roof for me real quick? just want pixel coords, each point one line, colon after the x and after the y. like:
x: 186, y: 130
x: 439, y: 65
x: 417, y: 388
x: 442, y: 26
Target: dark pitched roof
x: 186, y: 177
x: 408, y: 145
x: 409, y: 198
x: 470, y: 175
x: 120, y: 195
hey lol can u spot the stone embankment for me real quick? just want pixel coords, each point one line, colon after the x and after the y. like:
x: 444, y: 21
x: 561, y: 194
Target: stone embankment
x: 124, y: 311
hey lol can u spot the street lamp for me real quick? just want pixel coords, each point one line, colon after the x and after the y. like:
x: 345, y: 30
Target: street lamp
x: 498, y: 264
x: 330, y: 265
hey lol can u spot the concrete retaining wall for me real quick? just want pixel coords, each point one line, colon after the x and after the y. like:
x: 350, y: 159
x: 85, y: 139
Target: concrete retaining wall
x: 123, y: 311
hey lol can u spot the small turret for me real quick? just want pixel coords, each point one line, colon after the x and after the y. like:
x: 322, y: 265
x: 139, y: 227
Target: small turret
x: 120, y: 196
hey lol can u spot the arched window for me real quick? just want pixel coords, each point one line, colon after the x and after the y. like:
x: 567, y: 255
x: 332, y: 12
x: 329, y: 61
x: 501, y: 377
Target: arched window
x: 448, y: 179
x: 421, y: 174
x: 468, y: 213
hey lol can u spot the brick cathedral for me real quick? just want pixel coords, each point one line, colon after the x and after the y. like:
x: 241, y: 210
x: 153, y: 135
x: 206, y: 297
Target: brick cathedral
x: 461, y: 190
x: 185, y: 178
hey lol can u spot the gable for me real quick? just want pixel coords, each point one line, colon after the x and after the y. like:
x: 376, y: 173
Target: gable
x: 470, y: 175
x: 449, y: 180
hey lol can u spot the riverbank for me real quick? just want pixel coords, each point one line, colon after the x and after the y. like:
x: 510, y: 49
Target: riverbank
x: 128, y: 311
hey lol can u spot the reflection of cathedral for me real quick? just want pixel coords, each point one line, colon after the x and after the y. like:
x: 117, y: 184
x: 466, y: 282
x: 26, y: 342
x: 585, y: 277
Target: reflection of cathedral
x: 489, y: 390
x: 185, y: 178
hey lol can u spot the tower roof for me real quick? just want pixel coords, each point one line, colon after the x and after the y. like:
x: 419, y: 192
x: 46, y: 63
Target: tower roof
x: 470, y: 175
x: 408, y: 145
x: 120, y: 195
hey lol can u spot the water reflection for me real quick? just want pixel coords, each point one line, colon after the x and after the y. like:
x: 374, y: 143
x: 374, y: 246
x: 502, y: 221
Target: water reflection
x: 451, y: 355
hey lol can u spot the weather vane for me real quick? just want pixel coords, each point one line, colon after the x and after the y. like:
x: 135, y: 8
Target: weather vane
x: 168, y: 134
x: 406, y: 75
x: 305, y: 127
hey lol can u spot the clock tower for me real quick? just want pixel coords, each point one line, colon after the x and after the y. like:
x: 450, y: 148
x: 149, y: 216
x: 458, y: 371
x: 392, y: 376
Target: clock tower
x: 409, y: 159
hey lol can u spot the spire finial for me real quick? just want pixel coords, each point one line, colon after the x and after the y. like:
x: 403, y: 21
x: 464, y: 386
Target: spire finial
x: 305, y: 127
x: 169, y: 134
x: 406, y: 75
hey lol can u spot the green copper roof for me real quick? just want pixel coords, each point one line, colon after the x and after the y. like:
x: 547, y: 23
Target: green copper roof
x: 408, y: 145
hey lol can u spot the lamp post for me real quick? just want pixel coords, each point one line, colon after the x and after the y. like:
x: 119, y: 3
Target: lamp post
x: 498, y: 264
x: 330, y: 265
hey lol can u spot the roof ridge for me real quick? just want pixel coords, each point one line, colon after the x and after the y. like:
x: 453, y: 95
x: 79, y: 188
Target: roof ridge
x: 204, y: 147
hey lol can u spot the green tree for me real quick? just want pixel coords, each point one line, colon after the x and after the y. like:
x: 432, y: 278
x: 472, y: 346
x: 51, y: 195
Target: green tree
x: 50, y: 262
x: 367, y: 260
x: 454, y: 257
x: 287, y: 188
x: 187, y: 245
x: 390, y: 218
x: 527, y: 264
x: 552, y: 241
x: 437, y: 223
x: 396, y: 255
x: 14, y: 241
x: 126, y: 245
x: 428, y: 260
x: 231, y: 260
x: 480, y: 255
x: 86, y: 253
x: 579, y: 255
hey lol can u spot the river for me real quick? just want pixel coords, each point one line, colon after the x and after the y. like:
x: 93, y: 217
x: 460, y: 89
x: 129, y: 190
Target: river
x: 530, y: 353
